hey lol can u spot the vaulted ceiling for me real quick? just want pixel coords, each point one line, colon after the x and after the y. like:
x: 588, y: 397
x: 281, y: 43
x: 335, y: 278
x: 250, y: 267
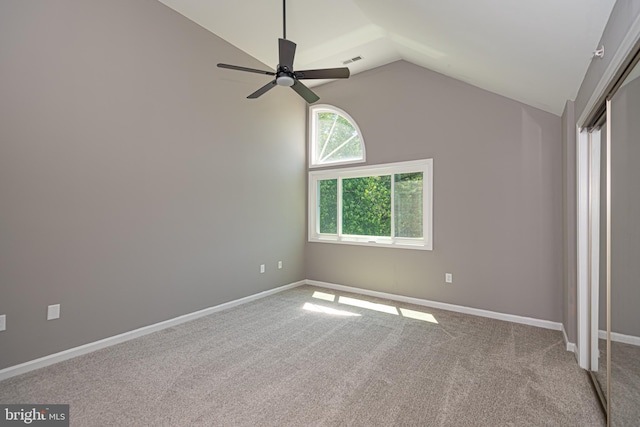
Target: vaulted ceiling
x: 533, y: 51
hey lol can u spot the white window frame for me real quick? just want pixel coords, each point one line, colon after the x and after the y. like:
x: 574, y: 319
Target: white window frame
x: 425, y: 243
x: 320, y: 108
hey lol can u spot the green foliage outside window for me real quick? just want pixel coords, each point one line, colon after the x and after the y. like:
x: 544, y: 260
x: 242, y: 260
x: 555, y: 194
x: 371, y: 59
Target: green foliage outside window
x: 328, y: 189
x: 366, y: 205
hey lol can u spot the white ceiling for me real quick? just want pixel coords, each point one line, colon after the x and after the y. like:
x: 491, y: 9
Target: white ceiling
x: 533, y: 51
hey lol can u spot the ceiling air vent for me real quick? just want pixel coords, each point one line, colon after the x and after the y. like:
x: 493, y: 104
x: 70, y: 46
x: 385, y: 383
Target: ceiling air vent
x: 354, y: 59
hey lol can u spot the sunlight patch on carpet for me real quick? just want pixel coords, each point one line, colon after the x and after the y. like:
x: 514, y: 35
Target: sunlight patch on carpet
x: 418, y: 315
x: 324, y: 296
x: 327, y: 310
x: 384, y: 308
x: 355, y: 302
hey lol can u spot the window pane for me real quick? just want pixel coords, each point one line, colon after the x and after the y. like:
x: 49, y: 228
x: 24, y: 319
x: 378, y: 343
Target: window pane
x: 366, y: 206
x: 328, y: 204
x: 336, y: 139
x: 408, y: 204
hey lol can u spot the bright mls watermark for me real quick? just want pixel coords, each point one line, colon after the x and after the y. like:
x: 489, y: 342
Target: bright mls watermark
x: 34, y: 415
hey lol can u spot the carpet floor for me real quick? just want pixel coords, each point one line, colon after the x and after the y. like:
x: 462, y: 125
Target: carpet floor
x: 314, y: 357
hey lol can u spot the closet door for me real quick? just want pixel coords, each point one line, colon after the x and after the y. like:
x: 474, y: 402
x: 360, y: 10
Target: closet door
x: 624, y: 292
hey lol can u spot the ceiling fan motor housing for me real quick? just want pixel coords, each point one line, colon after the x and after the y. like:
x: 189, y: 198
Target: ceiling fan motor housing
x: 285, y: 78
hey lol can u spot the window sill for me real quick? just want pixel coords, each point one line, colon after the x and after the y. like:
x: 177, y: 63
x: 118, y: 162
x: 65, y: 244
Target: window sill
x: 416, y: 245
x: 336, y: 163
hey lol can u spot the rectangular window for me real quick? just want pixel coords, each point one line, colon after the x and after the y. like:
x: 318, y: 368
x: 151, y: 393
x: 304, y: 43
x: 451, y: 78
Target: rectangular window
x: 384, y: 205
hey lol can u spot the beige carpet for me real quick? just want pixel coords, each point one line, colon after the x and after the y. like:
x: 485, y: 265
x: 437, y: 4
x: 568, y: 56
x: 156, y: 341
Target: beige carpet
x: 294, y: 360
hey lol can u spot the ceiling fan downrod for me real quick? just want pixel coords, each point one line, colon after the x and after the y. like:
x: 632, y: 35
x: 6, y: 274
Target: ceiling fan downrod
x: 284, y: 19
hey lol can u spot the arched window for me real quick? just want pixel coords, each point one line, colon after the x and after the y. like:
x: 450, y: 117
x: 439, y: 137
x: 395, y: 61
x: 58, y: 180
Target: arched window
x: 334, y: 137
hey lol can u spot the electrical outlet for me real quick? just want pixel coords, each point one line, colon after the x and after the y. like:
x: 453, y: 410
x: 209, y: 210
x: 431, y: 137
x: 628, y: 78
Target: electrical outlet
x: 3, y: 322
x: 448, y: 277
x: 279, y: 265
x: 53, y: 312
x: 262, y: 268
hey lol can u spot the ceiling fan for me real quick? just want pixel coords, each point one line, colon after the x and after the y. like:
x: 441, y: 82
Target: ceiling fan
x: 285, y: 75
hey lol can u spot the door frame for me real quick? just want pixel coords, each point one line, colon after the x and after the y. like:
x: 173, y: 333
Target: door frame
x: 588, y: 245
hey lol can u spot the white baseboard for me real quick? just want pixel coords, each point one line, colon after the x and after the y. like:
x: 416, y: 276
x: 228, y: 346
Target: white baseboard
x: 570, y: 346
x: 626, y: 339
x: 31, y: 365
x: 547, y: 324
x: 107, y: 342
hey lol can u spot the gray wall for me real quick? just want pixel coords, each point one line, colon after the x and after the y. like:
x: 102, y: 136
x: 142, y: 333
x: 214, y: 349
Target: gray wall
x: 497, y: 193
x: 137, y: 182
x: 569, y: 203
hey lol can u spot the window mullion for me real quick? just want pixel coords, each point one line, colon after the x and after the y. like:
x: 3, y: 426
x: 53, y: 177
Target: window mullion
x: 316, y: 224
x: 393, y: 207
x: 339, y: 205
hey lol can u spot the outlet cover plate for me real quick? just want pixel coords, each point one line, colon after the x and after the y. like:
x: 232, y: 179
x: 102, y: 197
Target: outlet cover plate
x: 53, y: 312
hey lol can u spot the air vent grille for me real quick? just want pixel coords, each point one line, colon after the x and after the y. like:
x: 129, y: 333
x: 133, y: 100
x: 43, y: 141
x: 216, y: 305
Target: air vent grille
x: 354, y: 59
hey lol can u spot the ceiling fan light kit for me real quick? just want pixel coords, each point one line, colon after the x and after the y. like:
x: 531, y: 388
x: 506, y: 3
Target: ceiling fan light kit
x: 285, y: 75
x: 285, y: 81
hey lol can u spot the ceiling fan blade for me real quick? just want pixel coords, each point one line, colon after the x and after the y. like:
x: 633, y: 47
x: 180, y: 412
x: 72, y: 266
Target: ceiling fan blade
x: 263, y: 90
x: 250, y: 70
x: 326, y: 73
x: 305, y: 92
x: 287, y: 50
